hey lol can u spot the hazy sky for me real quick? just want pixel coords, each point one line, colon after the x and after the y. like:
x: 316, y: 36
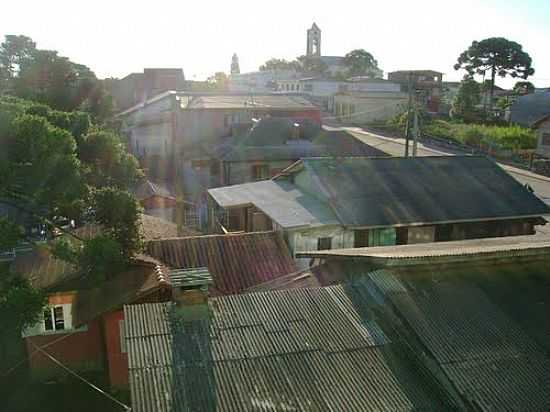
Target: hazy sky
x: 118, y: 37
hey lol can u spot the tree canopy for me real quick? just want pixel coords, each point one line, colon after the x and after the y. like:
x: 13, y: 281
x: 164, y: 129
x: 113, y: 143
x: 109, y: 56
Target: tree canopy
x: 280, y: 64
x: 524, y: 87
x: 465, y: 102
x: 497, y: 56
x: 361, y: 63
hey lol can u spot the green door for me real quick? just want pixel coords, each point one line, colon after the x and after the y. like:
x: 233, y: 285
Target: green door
x: 382, y: 237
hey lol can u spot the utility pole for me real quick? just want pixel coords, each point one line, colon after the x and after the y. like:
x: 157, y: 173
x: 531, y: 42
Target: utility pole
x: 409, y: 107
x: 415, y: 130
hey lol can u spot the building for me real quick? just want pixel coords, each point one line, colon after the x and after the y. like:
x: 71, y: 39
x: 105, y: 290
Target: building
x: 235, y: 69
x: 322, y: 91
x: 335, y: 64
x: 81, y: 323
x: 428, y: 85
x: 185, y: 128
x: 542, y: 129
x: 435, y: 336
x: 530, y: 108
x: 259, y: 81
x: 138, y: 87
x: 368, y: 107
x: 235, y: 262
x: 332, y: 203
x: 273, y: 144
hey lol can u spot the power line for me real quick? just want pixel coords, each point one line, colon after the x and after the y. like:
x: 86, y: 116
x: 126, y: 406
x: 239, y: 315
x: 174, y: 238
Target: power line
x: 58, y: 363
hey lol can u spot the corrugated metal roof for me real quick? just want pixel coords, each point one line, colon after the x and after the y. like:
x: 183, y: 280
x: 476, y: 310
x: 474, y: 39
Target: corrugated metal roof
x: 282, y: 201
x: 303, y: 349
x: 256, y: 102
x: 147, y: 189
x: 487, y: 356
x: 487, y: 248
x: 529, y: 108
x: 235, y: 261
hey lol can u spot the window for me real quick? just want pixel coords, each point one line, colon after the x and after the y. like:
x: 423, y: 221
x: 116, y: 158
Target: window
x: 382, y: 237
x: 260, y: 172
x: 54, y: 319
x: 324, y: 243
x: 545, y: 141
x: 292, y: 87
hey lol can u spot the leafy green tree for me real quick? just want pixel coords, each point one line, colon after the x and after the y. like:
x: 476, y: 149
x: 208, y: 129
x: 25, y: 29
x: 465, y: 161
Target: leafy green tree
x: 524, y: 87
x: 119, y: 213
x: 218, y: 80
x: 312, y: 65
x: 361, y: 63
x: 464, y: 105
x: 496, y: 55
x: 106, y: 161
x: 280, y: 64
x: 15, y: 51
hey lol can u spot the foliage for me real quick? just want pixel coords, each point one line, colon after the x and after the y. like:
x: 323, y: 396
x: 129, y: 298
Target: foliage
x: 312, y: 65
x: 107, y: 161
x: 218, y: 80
x: 119, y: 213
x: 501, y: 137
x: 280, y: 64
x: 361, y: 63
x: 524, y: 87
x: 44, y: 76
x: 464, y: 105
x: 21, y: 305
x: 495, y: 55
x: 10, y: 233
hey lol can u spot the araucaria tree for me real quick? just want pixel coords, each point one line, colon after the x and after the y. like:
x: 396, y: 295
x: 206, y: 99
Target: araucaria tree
x: 496, y: 55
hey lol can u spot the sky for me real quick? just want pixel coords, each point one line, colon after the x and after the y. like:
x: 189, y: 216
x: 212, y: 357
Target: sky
x: 118, y: 37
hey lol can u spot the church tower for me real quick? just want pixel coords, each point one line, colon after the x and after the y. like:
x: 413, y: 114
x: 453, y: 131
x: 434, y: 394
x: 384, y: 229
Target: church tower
x: 314, y: 41
x: 235, y: 69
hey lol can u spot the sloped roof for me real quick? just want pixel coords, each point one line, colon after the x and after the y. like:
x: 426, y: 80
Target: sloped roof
x: 488, y: 356
x: 403, y: 191
x: 529, y: 108
x: 142, y: 279
x: 235, y: 261
x: 280, y: 200
x: 147, y: 189
x: 301, y: 349
x: 255, y: 102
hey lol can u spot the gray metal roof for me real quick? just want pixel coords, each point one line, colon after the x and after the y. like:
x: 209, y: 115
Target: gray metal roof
x: 302, y: 349
x: 529, y: 108
x: 255, y: 102
x: 281, y: 201
x: 488, y: 357
x: 396, y: 191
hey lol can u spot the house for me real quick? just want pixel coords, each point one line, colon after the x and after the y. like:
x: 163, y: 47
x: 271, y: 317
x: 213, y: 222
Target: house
x: 235, y: 262
x: 260, y: 81
x: 273, y: 144
x: 435, y: 336
x: 175, y: 133
x: 428, y: 85
x: 542, y: 129
x: 528, y: 109
x: 368, y: 107
x: 332, y: 203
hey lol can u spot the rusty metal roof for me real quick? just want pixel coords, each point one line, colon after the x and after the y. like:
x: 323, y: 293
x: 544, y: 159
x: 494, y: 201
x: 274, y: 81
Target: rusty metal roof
x: 301, y: 349
x: 235, y: 261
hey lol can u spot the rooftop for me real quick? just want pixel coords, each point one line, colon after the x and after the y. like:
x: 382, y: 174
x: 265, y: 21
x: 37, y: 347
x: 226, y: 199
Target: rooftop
x: 246, y: 101
x: 235, y: 261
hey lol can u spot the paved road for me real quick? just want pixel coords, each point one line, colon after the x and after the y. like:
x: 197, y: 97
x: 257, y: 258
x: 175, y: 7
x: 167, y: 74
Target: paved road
x: 396, y: 147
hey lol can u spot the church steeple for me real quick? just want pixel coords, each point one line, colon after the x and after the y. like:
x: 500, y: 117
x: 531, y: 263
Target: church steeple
x: 314, y: 41
x: 235, y: 69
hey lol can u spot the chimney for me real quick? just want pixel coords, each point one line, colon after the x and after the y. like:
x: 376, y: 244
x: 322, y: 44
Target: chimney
x: 190, y: 293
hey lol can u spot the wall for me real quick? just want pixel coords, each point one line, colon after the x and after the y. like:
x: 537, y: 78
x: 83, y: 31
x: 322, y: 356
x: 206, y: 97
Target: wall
x: 80, y: 351
x: 543, y: 129
x: 302, y: 240
x: 368, y: 107
x: 116, y: 359
x: 241, y: 172
x: 157, y: 202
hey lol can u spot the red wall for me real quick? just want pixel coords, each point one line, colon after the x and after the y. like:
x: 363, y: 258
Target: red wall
x: 117, y: 361
x: 80, y: 351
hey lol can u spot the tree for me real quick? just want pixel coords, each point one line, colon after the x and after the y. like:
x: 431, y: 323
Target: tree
x: 219, y: 80
x: 15, y: 51
x: 312, y: 65
x: 467, y: 98
x: 280, y: 64
x: 498, y: 56
x: 524, y: 87
x: 361, y: 63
